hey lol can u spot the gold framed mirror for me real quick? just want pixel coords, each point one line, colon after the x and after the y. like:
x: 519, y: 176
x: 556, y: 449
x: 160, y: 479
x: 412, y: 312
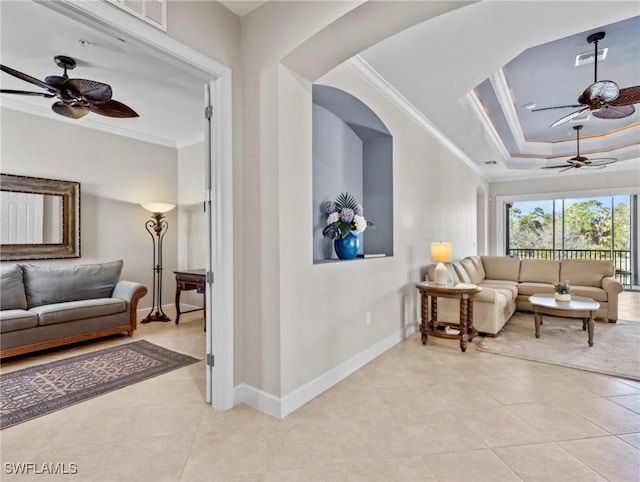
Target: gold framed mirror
x: 40, y: 218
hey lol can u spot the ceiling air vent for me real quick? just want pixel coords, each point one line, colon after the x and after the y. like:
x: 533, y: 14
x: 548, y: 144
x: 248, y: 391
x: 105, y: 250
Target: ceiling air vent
x: 587, y: 57
x: 151, y: 11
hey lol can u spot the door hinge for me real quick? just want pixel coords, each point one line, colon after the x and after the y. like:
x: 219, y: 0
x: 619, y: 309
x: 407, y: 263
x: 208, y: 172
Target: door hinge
x: 210, y: 360
x: 208, y: 112
x: 209, y: 277
x: 208, y: 195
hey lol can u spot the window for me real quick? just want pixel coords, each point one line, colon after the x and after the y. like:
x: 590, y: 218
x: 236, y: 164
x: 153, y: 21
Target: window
x: 583, y: 228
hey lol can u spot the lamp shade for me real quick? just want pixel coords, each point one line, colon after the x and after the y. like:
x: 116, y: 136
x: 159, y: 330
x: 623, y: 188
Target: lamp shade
x: 441, y: 252
x: 156, y: 207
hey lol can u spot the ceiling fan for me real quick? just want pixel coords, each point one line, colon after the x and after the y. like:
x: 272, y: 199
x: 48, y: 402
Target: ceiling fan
x: 581, y: 162
x: 604, y: 98
x: 76, y: 97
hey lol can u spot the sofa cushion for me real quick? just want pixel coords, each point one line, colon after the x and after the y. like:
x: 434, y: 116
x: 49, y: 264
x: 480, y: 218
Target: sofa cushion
x: 510, y: 290
x: 540, y: 270
x: 501, y: 268
x: 598, y: 294
x: 12, y: 295
x: 472, y: 271
x: 585, y: 272
x: 56, y: 284
x: 531, y: 288
x: 461, y: 272
x: 78, y: 310
x: 13, y: 320
x: 477, y: 262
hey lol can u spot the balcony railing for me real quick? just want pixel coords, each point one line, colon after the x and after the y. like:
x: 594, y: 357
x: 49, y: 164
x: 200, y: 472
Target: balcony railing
x: 621, y: 258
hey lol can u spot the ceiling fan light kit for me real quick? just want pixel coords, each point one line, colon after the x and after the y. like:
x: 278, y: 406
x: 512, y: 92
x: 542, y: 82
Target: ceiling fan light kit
x: 76, y: 97
x: 603, y: 98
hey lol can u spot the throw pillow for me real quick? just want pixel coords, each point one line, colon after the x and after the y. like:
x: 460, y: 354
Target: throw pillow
x: 56, y: 284
x: 12, y: 295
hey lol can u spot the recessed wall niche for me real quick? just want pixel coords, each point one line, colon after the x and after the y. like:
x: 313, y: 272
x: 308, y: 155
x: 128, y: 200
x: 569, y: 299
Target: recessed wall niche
x: 352, y: 152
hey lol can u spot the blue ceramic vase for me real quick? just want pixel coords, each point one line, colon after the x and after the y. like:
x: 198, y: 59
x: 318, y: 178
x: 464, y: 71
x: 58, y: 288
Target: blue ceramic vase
x: 347, y: 247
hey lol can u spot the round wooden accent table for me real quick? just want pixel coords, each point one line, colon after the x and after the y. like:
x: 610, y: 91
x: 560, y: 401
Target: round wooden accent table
x: 578, y: 307
x: 429, y: 326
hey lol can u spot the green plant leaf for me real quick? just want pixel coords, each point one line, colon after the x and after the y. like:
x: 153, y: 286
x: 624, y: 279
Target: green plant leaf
x: 330, y: 232
x: 346, y: 200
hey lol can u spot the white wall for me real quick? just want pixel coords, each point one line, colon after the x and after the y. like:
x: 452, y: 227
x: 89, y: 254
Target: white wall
x: 324, y: 308
x: 292, y: 332
x: 212, y: 29
x: 115, y: 175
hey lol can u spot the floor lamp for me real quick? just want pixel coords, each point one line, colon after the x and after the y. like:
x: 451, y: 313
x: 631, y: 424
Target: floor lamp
x: 157, y: 228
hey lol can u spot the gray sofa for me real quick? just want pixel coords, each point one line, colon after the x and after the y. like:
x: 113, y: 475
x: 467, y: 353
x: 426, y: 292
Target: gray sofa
x: 48, y: 306
x: 508, y: 282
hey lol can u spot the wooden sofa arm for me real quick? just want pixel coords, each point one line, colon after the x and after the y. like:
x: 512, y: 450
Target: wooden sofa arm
x: 130, y: 292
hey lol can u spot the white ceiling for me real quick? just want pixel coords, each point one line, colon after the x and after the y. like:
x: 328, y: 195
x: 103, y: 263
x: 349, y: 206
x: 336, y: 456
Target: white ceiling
x: 439, y: 67
x: 169, y: 100
x: 523, y: 52
x: 242, y: 7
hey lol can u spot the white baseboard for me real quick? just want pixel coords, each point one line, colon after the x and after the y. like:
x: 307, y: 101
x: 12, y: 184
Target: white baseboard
x: 281, y: 407
x: 256, y: 398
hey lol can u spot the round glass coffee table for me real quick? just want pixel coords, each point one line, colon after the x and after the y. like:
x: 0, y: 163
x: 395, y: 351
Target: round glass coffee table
x: 578, y: 307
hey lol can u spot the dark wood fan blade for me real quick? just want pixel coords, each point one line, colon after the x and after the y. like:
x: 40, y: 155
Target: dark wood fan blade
x: 562, y: 167
x: 628, y: 95
x: 27, y: 78
x: 572, y: 106
x: 89, y: 90
x: 113, y: 108
x: 24, y: 92
x: 74, y: 111
x: 55, y: 81
x: 609, y: 111
x: 568, y: 117
x: 599, y: 162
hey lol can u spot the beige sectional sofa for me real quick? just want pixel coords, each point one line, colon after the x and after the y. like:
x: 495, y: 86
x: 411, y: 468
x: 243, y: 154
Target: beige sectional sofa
x: 508, y: 282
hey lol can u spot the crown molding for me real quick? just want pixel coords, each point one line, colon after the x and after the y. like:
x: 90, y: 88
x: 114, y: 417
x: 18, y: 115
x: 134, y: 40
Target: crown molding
x: 190, y: 141
x: 501, y: 88
x: 471, y: 98
x: 13, y: 104
x: 368, y: 73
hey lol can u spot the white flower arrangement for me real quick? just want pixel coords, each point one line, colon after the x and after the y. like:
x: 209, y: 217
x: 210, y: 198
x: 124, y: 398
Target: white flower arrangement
x: 344, y: 216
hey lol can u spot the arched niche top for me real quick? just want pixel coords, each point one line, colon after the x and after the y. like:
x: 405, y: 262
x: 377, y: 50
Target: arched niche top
x: 353, y: 112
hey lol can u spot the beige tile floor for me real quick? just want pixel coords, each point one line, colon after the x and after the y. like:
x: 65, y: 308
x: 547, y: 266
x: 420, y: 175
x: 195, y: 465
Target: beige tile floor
x: 415, y: 413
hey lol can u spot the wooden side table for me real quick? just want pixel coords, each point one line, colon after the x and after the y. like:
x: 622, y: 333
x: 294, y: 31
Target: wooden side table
x: 460, y: 291
x: 190, y: 279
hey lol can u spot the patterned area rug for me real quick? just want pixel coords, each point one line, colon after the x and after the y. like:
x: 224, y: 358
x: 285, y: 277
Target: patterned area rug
x: 615, y: 350
x: 35, y: 391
